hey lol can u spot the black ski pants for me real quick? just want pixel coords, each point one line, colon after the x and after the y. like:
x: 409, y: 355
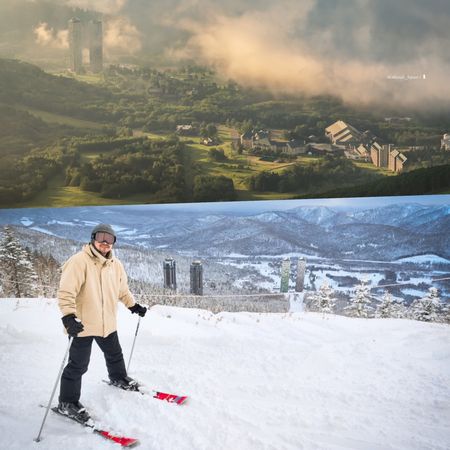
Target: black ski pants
x: 79, y: 357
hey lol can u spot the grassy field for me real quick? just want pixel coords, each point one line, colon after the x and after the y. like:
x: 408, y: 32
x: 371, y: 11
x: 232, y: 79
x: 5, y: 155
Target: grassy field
x: 61, y: 119
x: 90, y: 78
x: 239, y: 168
x: 58, y: 196
x: 372, y: 168
x: 88, y: 156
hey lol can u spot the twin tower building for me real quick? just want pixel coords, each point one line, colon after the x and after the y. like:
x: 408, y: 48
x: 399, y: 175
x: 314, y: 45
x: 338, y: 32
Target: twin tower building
x: 86, y: 36
x: 170, y: 276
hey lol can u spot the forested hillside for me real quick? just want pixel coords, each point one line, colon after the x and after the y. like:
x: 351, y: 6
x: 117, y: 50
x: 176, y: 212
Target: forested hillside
x: 432, y: 180
x: 27, y: 85
x: 20, y: 131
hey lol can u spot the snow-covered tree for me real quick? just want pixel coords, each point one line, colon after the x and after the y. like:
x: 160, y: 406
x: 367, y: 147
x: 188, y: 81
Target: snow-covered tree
x: 446, y: 313
x: 324, y: 299
x: 426, y: 308
x: 402, y: 310
x: 48, y: 274
x: 360, y: 302
x: 388, y: 307
x: 18, y: 276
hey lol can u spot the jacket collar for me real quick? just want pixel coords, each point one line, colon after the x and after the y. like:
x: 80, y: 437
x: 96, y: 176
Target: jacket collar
x: 94, y: 253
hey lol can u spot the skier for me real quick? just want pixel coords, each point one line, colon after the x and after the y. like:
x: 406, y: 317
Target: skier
x: 92, y: 282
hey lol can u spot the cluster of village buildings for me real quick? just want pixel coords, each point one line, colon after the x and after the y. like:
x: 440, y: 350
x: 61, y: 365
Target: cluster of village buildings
x: 263, y: 139
x: 343, y: 137
x: 365, y: 146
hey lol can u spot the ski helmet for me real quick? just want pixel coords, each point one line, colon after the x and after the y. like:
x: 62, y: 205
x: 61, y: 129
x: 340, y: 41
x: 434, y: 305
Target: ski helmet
x: 105, y: 228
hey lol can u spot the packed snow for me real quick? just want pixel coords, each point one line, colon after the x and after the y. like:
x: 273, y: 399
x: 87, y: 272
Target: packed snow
x: 255, y: 381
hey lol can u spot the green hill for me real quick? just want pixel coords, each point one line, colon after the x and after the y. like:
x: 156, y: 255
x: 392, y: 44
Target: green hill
x: 24, y: 84
x: 21, y: 131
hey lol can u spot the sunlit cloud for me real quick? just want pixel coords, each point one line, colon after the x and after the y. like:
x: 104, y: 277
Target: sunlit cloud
x: 120, y: 34
x: 47, y: 36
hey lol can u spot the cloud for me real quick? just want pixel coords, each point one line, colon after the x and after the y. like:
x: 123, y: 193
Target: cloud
x: 48, y: 37
x: 324, y: 48
x: 361, y: 50
x: 120, y: 34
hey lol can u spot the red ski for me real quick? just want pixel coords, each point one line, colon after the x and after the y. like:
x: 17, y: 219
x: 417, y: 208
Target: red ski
x: 118, y: 439
x: 171, y: 398
x: 122, y: 440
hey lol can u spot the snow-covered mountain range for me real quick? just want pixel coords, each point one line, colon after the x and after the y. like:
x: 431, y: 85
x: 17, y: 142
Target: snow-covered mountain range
x: 383, y: 233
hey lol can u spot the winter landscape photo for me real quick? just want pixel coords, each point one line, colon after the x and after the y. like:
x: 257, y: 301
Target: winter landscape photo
x: 304, y: 324
x: 398, y: 244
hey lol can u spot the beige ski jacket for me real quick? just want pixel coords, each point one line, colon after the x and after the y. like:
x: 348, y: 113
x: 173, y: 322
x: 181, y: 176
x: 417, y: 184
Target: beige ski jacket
x: 90, y: 288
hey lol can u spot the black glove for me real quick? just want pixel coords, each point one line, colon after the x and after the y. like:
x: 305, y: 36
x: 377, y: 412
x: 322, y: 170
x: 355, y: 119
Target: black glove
x: 138, y: 309
x: 72, y: 325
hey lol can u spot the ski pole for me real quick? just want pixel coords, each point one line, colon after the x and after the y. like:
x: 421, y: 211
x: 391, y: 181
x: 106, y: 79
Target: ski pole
x: 54, y: 388
x: 134, y: 341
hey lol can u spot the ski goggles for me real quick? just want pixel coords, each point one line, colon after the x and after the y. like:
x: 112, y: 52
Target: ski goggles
x: 101, y: 236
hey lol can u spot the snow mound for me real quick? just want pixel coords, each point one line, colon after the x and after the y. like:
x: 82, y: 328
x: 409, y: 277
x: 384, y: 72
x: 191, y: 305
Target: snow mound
x: 427, y: 259
x: 255, y: 381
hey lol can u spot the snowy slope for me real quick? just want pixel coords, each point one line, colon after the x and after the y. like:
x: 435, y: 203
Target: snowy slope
x: 256, y: 381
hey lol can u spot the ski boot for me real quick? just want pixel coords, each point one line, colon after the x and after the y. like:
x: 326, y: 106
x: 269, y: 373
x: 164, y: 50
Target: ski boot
x: 126, y: 383
x: 75, y: 411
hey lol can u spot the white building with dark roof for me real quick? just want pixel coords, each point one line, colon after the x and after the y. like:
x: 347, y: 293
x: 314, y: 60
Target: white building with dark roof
x: 295, y: 147
x: 247, y: 139
x: 445, y: 142
x: 261, y: 139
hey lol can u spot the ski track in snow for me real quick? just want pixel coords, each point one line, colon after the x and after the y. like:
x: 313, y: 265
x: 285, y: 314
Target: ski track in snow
x: 255, y: 381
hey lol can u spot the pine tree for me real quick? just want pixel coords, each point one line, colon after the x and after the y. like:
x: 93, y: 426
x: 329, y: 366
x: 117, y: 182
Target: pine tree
x: 388, y: 307
x: 402, y: 310
x: 323, y: 299
x: 18, y: 276
x: 360, y: 303
x: 426, y: 308
x: 446, y: 313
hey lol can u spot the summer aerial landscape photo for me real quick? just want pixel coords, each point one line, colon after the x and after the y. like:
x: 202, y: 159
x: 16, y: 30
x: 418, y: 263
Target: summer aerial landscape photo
x: 245, y: 204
